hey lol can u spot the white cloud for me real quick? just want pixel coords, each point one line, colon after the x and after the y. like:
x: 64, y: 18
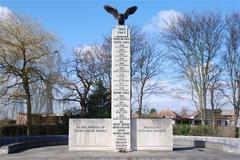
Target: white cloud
x: 165, y: 101
x: 161, y: 20
x: 83, y: 48
x: 5, y: 13
x: 87, y: 48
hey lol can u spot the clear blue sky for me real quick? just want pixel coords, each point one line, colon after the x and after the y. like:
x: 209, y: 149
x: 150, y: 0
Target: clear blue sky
x: 78, y: 22
x: 85, y: 21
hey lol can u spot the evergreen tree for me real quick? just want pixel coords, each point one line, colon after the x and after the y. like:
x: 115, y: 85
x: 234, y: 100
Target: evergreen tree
x: 99, y: 102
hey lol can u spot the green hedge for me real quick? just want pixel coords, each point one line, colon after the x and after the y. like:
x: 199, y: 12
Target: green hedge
x: 182, y: 129
x: 198, y: 130
x: 21, y: 130
x: 38, y: 119
x: 204, y: 131
x: 6, y: 122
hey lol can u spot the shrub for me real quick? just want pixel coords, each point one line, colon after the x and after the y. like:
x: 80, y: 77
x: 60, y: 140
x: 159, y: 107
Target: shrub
x: 226, y: 132
x: 182, y: 129
x: 70, y: 113
x: 13, y: 130
x: 201, y: 130
x: 7, y: 121
x: 38, y: 119
x: 197, y: 130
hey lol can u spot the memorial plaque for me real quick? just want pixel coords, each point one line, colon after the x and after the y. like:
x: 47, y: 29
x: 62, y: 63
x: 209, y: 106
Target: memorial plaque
x: 121, y: 122
x: 152, y: 134
x: 90, y: 134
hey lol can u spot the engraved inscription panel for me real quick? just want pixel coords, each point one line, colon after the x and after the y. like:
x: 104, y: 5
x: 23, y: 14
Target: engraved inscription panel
x: 90, y: 134
x: 154, y: 134
x: 121, y: 88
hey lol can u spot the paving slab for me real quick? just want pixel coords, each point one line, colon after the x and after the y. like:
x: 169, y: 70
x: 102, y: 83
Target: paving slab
x: 62, y: 153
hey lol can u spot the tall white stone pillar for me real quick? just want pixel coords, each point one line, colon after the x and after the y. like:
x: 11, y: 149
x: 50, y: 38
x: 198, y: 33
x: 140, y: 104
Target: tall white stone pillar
x: 121, y: 88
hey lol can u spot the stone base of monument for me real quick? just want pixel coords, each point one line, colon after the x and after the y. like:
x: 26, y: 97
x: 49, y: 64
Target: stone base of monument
x: 96, y: 134
x: 152, y: 134
x: 90, y: 134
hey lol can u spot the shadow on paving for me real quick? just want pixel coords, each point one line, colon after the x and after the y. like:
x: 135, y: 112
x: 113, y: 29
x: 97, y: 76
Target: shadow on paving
x: 182, y: 148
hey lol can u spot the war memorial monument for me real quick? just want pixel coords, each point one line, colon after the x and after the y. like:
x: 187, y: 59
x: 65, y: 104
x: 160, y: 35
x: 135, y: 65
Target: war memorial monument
x: 120, y: 133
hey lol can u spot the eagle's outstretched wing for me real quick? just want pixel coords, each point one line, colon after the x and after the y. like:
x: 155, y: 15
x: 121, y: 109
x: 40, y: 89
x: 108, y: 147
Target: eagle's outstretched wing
x: 112, y: 10
x: 130, y: 11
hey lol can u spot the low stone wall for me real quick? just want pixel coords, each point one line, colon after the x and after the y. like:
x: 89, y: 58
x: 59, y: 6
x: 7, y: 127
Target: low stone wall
x: 10, y: 140
x: 231, y: 145
x: 22, y: 146
x: 17, y: 144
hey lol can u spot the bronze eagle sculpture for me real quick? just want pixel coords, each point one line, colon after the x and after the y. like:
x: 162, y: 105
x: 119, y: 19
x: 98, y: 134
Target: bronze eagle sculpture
x: 121, y: 17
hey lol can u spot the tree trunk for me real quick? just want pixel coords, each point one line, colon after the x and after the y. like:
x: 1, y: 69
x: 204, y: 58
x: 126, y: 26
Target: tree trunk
x: 140, y: 109
x: 83, y: 109
x: 140, y: 102
x: 29, y: 107
x: 213, y: 107
x: 237, y: 109
x: 49, y: 99
x: 235, y: 123
x: 202, y: 109
x: 204, y: 105
x: 202, y: 117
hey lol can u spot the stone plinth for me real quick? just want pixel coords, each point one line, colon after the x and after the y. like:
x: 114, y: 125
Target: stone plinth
x: 152, y: 134
x: 96, y: 134
x: 90, y: 134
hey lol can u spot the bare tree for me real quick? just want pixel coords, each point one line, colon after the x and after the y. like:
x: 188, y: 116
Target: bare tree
x: 104, y: 56
x: 79, y: 75
x: 194, y: 41
x: 232, y: 59
x: 215, y: 86
x: 43, y: 91
x: 184, y: 111
x: 23, y: 46
x: 146, y: 78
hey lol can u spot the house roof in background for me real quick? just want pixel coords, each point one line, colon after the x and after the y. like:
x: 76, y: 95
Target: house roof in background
x: 228, y: 112
x: 167, y: 113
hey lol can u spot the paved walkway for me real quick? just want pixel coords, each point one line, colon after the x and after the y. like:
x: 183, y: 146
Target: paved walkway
x: 62, y: 153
